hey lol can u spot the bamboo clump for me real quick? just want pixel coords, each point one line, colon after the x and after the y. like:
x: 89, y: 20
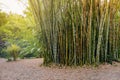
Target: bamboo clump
x: 78, y: 32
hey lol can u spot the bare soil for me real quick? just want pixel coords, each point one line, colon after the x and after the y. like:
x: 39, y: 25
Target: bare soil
x: 30, y: 69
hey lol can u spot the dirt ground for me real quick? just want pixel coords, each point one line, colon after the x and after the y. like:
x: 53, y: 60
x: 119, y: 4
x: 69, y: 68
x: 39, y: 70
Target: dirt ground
x: 29, y: 69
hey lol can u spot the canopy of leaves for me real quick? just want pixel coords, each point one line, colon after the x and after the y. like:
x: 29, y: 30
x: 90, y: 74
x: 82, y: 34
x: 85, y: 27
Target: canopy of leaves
x: 19, y: 30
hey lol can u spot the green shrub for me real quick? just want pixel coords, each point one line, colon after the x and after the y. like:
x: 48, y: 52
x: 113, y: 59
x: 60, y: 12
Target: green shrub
x: 3, y: 53
x: 13, y: 51
x: 31, y: 49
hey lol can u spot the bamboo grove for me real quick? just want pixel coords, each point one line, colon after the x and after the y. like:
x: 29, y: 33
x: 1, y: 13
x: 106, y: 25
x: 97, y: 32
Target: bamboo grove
x: 78, y: 32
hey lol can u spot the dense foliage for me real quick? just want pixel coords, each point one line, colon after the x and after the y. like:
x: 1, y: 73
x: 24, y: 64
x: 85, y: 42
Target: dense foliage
x: 78, y: 32
x: 19, y: 30
x: 3, y: 21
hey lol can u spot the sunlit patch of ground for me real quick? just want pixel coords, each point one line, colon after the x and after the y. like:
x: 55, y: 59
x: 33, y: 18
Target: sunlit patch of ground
x: 30, y: 69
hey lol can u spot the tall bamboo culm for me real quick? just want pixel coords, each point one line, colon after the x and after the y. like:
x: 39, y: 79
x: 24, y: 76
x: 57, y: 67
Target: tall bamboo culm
x: 78, y: 32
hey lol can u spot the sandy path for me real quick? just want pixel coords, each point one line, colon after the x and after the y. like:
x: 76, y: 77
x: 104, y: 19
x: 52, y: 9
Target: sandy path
x: 29, y: 69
